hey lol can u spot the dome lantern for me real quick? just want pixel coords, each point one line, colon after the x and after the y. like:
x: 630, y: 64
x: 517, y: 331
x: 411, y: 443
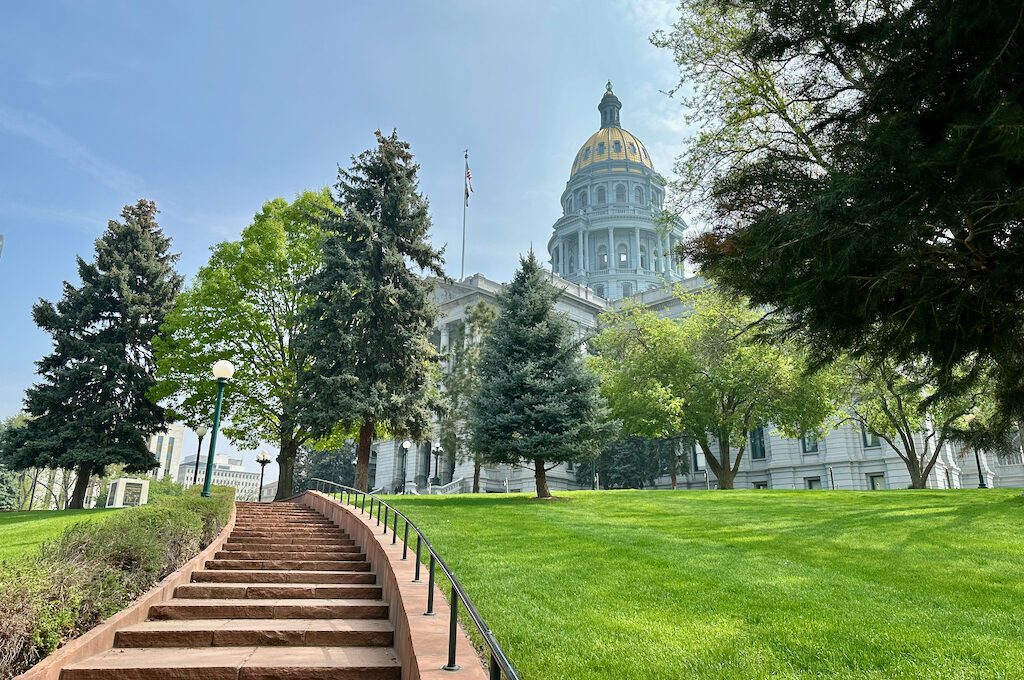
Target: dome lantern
x: 609, y: 108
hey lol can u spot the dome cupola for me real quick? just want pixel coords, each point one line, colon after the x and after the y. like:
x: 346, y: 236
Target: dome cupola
x: 609, y: 108
x: 612, y: 146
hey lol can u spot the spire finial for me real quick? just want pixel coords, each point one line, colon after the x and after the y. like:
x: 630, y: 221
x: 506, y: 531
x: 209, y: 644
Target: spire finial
x: 608, y: 86
x: 609, y: 107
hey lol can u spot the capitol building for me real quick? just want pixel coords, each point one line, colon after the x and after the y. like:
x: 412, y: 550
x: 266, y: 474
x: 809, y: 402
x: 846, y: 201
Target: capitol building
x: 613, y: 242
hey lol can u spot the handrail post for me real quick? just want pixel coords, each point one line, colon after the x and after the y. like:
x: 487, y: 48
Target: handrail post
x: 394, y: 529
x: 416, y: 579
x: 430, y: 588
x: 378, y: 511
x: 494, y: 670
x: 363, y: 508
x: 405, y: 542
x: 387, y: 509
x: 453, y: 630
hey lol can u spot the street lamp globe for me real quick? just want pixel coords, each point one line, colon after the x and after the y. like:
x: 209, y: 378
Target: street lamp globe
x: 223, y: 370
x: 263, y: 458
x: 406, y: 444
x: 202, y: 430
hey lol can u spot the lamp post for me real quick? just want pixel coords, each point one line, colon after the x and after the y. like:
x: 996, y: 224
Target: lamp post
x: 406, y: 445
x: 222, y: 371
x: 437, y: 451
x: 201, y: 431
x: 262, y: 459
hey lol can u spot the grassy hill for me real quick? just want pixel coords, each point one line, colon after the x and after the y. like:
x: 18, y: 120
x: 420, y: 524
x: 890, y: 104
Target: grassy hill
x: 23, y: 532
x: 656, y: 585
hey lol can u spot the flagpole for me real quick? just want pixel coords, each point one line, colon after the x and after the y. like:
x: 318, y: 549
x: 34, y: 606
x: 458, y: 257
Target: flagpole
x: 465, y: 204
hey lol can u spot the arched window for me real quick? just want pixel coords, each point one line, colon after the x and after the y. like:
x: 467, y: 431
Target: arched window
x: 602, y: 257
x: 622, y: 256
x: 627, y: 289
x: 632, y: 148
x: 582, y: 197
x: 600, y: 148
x: 643, y: 257
x: 586, y: 154
x: 599, y: 290
x: 601, y: 196
x: 639, y: 195
x: 617, y: 146
x: 620, y: 193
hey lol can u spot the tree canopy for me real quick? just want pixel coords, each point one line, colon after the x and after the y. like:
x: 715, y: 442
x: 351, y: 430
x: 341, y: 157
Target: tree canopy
x: 367, y: 343
x: 862, y: 171
x: 537, y: 404
x: 245, y: 305
x: 91, y: 407
x: 708, y: 377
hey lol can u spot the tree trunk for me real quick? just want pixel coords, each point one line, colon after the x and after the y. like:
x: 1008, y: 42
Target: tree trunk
x: 675, y: 468
x: 81, y: 486
x: 286, y: 468
x: 726, y: 478
x: 32, y: 491
x: 363, y: 455
x: 541, y: 476
x: 476, y: 474
x: 917, y: 478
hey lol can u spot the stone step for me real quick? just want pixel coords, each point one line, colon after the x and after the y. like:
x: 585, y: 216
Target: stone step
x: 182, y: 608
x: 239, y: 663
x: 351, y: 554
x: 338, y: 539
x: 283, y: 576
x: 289, y: 565
x: 235, y: 632
x: 263, y: 591
x: 260, y: 545
x: 294, y: 534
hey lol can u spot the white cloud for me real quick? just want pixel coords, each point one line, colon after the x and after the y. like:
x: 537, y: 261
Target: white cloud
x: 76, y: 154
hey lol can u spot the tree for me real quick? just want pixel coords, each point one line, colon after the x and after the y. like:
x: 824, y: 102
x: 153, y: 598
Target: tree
x: 461, y: 380
x: 537, y: 404
x: 894, y: 402
x: 246, y: 305
x: 631, y: 463
x: 367, y: 340
x: 709, y: 378
x: 861, y: 168
x: 335, y: 463
x: 91, y: 408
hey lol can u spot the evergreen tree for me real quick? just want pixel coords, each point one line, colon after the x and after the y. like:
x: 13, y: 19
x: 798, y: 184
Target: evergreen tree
x: 369, y: 357
x: 537, y: 405
x: 91, y: 408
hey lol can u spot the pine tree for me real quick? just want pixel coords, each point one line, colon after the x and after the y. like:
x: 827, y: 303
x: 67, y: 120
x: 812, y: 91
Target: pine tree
x: 367, y: 338
x: 91, y: 408
x: 537, y: 405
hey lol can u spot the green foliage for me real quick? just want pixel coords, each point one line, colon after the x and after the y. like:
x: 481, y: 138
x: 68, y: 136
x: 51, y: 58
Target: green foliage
x: 335, y: 464
x: 631, y: 463
x: 537, y: 403
x: 461, y: 380
x: 95, y: 569
x: 759, y: 585
x: 709, y: 378
x: 91, y: 408
x: 860, y: 165
x: 164, y: 487
x: 369, y: 358
x: 246, y: 305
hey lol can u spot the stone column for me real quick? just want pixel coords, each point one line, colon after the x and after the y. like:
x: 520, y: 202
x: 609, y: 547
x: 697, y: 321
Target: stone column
x: 579, y: 250
x: 636, y: 244
x: 444, y: 336
x: 612, y: 260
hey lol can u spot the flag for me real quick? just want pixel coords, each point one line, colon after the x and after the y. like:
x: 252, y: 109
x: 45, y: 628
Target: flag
x: 469, y: 181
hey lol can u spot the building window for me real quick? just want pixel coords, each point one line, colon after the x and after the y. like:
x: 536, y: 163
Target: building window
x: 639, y: 195
x: 627, y: 289
x: 620, y: 193
x: 602, y: 257
x: 812, y: 482
x: 586, y: 154
x: 600, y: 196
x: 760, y: 485
x: 876, y: 482
x: 870, y: 438
x: 583, y: 199
x: 572, y: 263
x: 617, y: 146
x: 623, y: 256
x: 643, y: 257
x: 372, y: 477
x: 632, y: 148
x: 810, y: 443
x: 600, y: 148
x: 569, y: 467
x: 757, y: 443
x: 599, y: 290
x: 697, y: 457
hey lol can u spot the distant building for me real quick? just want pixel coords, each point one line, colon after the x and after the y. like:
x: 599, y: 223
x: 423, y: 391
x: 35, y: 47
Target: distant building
x: 166, y: 447
x: 269, y: 491
x: 227, y: 471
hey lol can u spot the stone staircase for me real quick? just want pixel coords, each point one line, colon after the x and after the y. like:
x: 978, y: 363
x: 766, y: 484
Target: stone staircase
x: 289, y: 596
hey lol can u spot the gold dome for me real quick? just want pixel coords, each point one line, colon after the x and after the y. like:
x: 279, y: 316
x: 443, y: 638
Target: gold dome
x: 611, y: 144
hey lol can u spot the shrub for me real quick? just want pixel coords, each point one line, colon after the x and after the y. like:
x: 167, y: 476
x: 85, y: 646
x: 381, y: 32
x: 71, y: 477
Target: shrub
x: 95, y: 569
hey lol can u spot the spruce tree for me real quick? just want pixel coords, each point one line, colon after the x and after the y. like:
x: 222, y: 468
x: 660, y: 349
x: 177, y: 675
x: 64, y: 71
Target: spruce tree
x: 367, y: 339
x: 537, y: 405
x: 91, y: 407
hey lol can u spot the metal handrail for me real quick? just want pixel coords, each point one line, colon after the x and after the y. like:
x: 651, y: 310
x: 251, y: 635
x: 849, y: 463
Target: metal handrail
x: 499, y: 663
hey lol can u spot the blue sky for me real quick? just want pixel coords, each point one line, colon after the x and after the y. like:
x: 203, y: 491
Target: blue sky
x: 212, y: 108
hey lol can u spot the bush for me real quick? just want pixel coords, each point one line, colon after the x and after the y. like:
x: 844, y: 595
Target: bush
x: 96, y: 569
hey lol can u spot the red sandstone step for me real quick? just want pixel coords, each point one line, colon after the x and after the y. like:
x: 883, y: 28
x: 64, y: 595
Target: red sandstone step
x: 253, y: 545
x: 235, y: 632
x: 289, y: 540
x: 289, y: 565
x: 351, y: 554
x: 283, y: 576
x: 239, y: 663
x: 260, y: 591
x: 181, y: 608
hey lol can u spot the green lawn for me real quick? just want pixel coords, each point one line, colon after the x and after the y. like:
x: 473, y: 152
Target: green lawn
x: 657, y: 585
x: 23, y: 532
